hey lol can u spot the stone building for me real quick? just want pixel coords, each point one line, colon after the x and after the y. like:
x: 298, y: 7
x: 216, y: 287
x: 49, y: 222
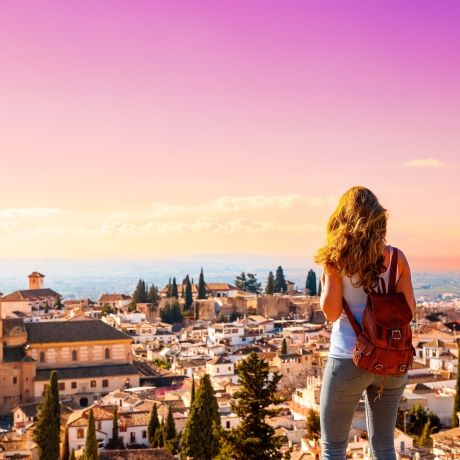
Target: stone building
x: 91, y: 359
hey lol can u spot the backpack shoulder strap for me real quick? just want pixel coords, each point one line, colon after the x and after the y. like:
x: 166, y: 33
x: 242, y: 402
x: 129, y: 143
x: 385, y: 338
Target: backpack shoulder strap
x: 354, y: 324
x: 393, y: 270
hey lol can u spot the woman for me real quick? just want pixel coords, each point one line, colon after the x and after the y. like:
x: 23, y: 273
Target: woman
x: 354, y: 259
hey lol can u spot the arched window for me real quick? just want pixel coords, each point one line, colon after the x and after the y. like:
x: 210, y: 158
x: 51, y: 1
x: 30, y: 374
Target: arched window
x: 42, y: 357
x: 74, y: 355
x: 107, y: 353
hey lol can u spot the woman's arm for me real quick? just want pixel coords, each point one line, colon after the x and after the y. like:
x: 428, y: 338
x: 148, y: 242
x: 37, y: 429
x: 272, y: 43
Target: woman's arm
x: 404, y: 284
x: 331, y: 294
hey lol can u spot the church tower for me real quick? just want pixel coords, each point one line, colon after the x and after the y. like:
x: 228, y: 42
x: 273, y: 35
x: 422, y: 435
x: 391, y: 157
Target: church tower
x: 36, y: 281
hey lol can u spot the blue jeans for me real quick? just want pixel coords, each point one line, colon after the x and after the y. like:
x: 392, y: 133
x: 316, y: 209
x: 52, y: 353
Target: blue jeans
x: 343, y: 385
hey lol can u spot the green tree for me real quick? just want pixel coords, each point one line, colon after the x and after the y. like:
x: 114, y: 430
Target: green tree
x: 320, y: 287
x: 192, y: 392
x: 252, y: 285
x: 310, y: 284
x: 159, y: 440
x: 170, y: 434
x: 152, y: 296
x: 270, y: 288
x: 254, y: 438
x: 171, y: 313
x: 47, y: 428
x: 115, y: 442
x: 456, y: 408
x: 140, y: 294
x: 72, y: 455
x: 106, y: 310
x: 65, y: 446
x: 313, y: 424
x: 154, y: 424
x: 188, y: 293
x: 280, y: 281
x: 424, y: 439
x: 197, y: 310
x: 283, y: 347
x: 200, y: 438
x: 91, y: 447
x: 240, y: 281
x: 418, y: 417
x: 201, y: 286
x: 174, y: 291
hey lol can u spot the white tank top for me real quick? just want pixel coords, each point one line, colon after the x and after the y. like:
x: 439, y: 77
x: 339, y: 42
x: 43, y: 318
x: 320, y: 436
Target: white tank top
x: 343, y: 337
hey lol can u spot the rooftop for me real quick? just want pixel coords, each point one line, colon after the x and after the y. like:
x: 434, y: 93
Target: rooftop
x: 73, y: 331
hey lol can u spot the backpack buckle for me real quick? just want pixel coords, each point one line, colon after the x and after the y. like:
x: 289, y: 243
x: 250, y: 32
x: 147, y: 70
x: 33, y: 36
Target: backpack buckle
x: 379, y: 366
x: 396, y: 334
x: 403, y: 367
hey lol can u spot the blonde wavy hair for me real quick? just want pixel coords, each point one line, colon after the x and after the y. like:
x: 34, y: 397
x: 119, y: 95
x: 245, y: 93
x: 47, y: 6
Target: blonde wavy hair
x: 356, y: 234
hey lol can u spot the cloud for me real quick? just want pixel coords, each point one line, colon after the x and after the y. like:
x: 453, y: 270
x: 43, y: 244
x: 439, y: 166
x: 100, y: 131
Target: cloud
x: 225, y: 204
x: 28, y: 213
x: 424, y: 163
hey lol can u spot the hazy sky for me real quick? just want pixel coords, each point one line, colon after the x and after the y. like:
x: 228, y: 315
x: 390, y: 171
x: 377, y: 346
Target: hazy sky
x: 154, y: 128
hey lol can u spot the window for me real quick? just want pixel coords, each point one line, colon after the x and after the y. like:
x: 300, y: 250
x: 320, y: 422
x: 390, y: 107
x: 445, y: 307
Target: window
x: 217, y: 370
x: 80, y: 433
x: 133, y: 437
x: 227, y: 424
x: 99, y: 425
x: 144, y: 434
x: 93, y: 384
x: 107, y: 353
x: 105, y: 383
x: 15, y: 380
x: 42, y: 357
x: 74, y: 355
x: 73, y: 385
x: 61, y: 386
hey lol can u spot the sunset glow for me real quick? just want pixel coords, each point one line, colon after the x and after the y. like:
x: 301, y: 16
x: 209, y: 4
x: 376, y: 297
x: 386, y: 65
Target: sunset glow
x: 152, y: 128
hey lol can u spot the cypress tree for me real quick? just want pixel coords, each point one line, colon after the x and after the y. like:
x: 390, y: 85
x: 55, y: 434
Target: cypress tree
x: 254, y: 438
x: 170, y: 427
x: 284, y: 347
x: 171, y: 440
x: 252, y: 285
x: 54, y: 388
x: 201, y: 286
x: 65, y: 446
x: 116, y: 442
x: 159, y: 440
x: 320, y: 287
x: 188, y: 293
x: 456, y: 408
x: 270, y: 288
x: 240, y: 281
x: 310, y: 284
x: 174, y: 291
x: 47, y: 428
x: 140, y: 294
x: 192, y: 392
x: 280, y: 281
x: 91, y: 448
x: 152, y: 296
x: 200, y: 438
x: 154, y: 424
x: 169, y: 288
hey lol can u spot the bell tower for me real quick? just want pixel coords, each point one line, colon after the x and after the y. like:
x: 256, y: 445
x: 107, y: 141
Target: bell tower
x: 36, y: 280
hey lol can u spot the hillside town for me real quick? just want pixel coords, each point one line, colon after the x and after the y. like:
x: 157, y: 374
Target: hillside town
x: 124, y: 363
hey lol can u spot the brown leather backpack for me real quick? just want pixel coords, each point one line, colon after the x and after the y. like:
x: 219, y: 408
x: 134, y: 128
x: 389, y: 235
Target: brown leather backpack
x: 384, y: 340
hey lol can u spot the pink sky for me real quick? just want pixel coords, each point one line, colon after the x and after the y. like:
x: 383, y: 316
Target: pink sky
x: 155, y: 128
